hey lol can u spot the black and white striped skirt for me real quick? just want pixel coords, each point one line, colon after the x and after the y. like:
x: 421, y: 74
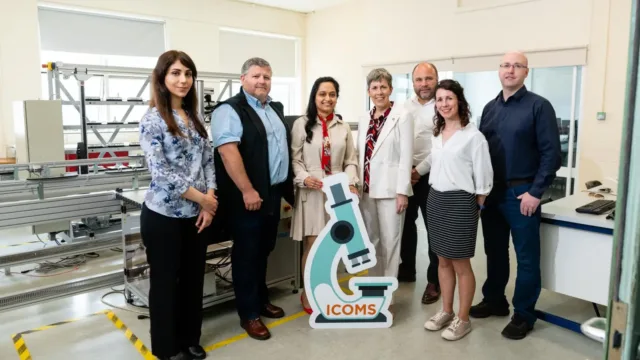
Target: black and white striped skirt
x: 452, y: 223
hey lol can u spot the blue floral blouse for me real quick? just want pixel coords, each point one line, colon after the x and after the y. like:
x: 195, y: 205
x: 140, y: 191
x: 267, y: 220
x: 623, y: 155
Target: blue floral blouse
x: 175, y: 163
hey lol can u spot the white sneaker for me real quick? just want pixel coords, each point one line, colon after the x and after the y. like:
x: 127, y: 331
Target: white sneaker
x: 457, y: 330
x: 438, y: 321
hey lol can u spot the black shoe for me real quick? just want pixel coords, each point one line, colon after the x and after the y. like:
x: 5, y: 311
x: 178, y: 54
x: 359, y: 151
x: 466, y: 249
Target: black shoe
x: 485, y: 309
x: 517, y: 329
x: 197, y: 352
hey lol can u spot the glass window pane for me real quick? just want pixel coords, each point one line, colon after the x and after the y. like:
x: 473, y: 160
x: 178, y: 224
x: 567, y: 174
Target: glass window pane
x: 479, y: 88
x: 557, y: 190
x: 556, y: 85
x: 128, y: 87
x: 578, y: 113
x: 402, y: 88
x: 281, y: 92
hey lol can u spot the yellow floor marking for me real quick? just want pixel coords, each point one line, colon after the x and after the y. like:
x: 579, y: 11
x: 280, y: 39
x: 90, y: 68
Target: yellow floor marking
x: 271, y: 325
x: 133, y: 339
x: 21, y: 347
x: 20, y: 344
x: 23, y: 352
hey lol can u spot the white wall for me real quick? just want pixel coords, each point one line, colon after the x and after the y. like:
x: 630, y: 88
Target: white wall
x: 398, y: 31
x: 605, y: 86
x: 19, y: 61
x: 191, y: 26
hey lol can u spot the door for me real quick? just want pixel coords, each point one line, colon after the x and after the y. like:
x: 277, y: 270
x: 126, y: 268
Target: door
x: 623, y: 317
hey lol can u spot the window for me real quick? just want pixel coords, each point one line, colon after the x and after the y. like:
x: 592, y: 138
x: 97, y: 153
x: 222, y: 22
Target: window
x: 282, y: 52
x: 479, y: 88
x: 112, y: 41
x: 92, y: 33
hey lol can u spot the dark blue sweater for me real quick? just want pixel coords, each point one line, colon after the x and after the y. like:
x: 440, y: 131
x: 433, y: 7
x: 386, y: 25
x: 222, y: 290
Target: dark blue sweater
x: 523, y: 138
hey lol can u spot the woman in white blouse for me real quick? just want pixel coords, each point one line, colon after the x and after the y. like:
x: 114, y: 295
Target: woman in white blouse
x: 461, y: 178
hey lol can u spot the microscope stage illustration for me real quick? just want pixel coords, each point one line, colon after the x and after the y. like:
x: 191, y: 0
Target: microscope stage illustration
x: 345, y: 238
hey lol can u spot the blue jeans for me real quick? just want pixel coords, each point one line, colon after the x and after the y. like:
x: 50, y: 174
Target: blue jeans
x: 500, y: 218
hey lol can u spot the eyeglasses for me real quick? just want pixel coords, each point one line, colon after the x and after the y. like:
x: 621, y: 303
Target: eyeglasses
x: 515, y: 66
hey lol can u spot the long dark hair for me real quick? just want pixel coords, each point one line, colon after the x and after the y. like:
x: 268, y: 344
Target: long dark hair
x: 161, y: 97
x: 463, y: 106
x: 312, y: 109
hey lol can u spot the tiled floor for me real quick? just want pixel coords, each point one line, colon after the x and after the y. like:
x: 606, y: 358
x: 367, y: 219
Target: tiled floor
x: 96, y: 337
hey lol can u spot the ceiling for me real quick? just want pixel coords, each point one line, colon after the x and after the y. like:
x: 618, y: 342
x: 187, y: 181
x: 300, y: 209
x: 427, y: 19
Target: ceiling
x: 304, y: 6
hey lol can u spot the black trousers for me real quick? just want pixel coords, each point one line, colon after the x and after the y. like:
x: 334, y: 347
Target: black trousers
x: 409, y: 243
x: 176, y: 254
x: 254, y: 238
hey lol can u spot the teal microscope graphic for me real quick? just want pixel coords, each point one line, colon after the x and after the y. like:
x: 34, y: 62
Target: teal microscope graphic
x: 345, y: 239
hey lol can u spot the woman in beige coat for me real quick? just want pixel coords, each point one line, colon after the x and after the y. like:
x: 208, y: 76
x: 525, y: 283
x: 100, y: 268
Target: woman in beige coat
x: 320, y: 148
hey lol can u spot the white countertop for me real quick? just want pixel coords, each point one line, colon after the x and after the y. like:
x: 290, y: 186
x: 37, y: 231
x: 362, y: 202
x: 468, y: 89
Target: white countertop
x: 565, y: 209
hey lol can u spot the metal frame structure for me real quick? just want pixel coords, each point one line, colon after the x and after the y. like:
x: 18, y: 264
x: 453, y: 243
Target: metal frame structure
x: 284, y: 262
x: 56, y: 71
x: 33, y: 180
x: 67, y: 208
x: 73, y: 203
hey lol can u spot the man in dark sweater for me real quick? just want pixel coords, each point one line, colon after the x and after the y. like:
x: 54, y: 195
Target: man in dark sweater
x: 253, y: 171
x: 522, y: 132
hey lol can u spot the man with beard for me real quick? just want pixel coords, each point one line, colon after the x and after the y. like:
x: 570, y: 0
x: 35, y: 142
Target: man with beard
x: 421, y: 109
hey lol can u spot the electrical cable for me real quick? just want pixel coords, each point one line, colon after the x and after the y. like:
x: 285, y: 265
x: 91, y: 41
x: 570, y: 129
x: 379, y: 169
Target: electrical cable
x: 223, y: 263
x: 25, y: 273
x: 120, y: 307
x: 44, y: 243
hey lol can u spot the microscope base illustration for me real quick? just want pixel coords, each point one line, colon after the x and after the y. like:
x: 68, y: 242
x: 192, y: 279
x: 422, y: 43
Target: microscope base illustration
x: 345, y: 239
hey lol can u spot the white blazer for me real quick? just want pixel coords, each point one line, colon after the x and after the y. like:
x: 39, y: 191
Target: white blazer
x: 392, y: 158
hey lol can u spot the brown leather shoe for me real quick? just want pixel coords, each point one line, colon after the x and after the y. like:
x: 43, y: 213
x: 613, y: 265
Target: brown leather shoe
x: 256, y: 329
x: 431, y: 294
x: 272, y: 312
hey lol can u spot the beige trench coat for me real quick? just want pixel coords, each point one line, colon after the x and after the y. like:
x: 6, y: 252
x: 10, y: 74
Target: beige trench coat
x: 309, y: 216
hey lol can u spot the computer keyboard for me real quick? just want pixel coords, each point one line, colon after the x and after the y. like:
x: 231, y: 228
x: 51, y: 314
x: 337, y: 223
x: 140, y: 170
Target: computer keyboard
x: 597, y: 207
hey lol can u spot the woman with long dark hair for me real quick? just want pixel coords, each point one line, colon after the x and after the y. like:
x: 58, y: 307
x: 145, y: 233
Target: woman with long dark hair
x: 179, y: 205
x: 321, y: 145
x: 461, y: 178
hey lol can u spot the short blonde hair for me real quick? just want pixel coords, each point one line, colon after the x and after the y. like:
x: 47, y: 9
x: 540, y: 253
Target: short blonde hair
x: 378, y: 75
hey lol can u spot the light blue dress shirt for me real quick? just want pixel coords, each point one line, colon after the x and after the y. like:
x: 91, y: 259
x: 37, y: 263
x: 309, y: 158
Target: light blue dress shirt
x: 175, y: 164
x: 226, y: 127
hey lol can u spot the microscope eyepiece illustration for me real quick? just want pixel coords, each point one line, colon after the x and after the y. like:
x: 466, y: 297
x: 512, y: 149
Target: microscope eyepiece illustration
x: 344, y: 238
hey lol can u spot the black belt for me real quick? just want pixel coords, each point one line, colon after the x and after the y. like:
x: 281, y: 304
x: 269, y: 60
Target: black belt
x: 518, y: 182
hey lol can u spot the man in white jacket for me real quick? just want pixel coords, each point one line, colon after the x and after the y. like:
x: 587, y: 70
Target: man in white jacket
x: 421, y: 108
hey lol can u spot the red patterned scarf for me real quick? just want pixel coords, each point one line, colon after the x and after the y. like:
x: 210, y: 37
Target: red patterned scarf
x: 326, y: 144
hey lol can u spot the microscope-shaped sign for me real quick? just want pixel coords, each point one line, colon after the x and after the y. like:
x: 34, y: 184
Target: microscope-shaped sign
x: 345, y: 239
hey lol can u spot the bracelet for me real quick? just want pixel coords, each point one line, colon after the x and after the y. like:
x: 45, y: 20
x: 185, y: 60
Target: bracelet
x: 481, y: 207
